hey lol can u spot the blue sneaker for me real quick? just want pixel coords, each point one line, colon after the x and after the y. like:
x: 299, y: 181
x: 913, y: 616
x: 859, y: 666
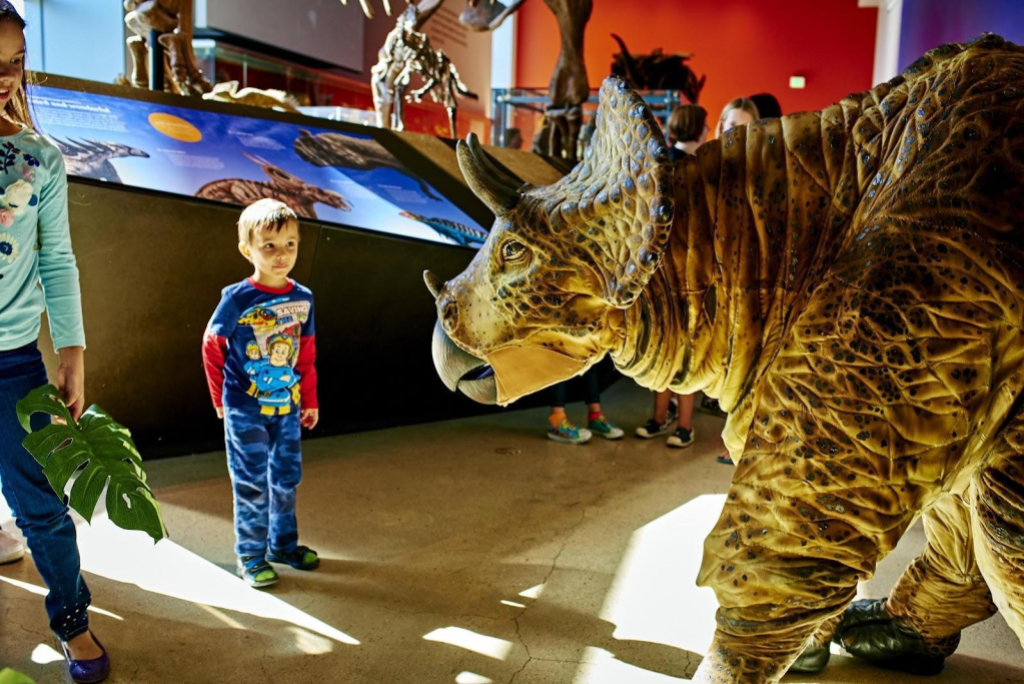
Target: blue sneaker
x: 568, y: 433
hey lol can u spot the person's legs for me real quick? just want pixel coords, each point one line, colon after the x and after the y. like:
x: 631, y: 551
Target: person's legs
x: 248, y: 445
x: 658, y: 424
x: 558, y: 397
x: 661, y: 401
x: 561, y: 429
x: 285, y: 475
x: 685, y: 420
x: 41, y: 514
x: 682, y: 437
x: 596, y: 422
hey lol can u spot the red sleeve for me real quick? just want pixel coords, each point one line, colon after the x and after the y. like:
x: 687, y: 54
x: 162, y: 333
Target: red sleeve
x: 214, y: 347
x: 306, y: 366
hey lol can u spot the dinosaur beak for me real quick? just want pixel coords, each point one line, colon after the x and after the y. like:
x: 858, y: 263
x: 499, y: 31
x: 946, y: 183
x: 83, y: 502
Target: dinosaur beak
x: 461, y: 371
x: 505, y: 376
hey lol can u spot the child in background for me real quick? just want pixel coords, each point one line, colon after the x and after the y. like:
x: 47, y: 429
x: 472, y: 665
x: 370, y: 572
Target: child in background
x: 259, y: 352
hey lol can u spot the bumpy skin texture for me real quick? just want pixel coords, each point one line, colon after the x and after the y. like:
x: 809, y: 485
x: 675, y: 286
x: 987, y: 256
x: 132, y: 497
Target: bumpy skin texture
x: 849, y: 284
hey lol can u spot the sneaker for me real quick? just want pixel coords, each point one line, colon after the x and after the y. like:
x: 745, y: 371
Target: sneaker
x: 601, y: 426
x: 570, y: 434
x: 256, y: 571
x: 300, y: 558
x: 681, y: 438
x: 11, y: 548
x: 652, y: 429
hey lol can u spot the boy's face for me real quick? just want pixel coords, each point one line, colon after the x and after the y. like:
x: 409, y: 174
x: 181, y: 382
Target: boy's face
x: 273, y: 252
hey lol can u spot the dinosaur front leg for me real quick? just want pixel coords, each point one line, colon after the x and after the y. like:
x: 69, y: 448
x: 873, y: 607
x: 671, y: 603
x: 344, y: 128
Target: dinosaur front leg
x: 776, y: 579
x: 940, y: 594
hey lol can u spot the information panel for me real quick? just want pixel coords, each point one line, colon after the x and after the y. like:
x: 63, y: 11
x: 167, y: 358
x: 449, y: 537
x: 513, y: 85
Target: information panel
x: 344, y: 178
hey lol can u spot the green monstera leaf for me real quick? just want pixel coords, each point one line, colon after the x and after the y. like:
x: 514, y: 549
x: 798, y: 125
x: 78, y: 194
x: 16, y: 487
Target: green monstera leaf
x: 9, y: 676
x: 103, y: 450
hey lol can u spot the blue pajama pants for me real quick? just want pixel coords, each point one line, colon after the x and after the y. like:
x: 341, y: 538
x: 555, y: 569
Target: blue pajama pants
x: 265, y: 460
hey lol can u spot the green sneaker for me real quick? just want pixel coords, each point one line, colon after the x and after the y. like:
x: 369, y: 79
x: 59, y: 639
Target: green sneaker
x: 601, y: 426
x: 256, y: 571
x: 300, y: 558
x: 568, y: 433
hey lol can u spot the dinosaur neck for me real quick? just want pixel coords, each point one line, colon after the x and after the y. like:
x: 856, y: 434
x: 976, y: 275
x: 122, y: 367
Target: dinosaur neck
x: 711, y: 318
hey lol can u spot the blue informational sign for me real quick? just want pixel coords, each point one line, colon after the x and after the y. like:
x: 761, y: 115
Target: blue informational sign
x: 323, y: 174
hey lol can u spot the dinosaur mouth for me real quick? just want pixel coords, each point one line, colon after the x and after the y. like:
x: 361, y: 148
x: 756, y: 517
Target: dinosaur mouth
x: 461, y: 371
x: 505, y: 375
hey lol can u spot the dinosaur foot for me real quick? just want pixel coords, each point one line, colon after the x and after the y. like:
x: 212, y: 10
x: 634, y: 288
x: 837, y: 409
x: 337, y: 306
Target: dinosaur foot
x: 812, y: 660
x: 869, y: 632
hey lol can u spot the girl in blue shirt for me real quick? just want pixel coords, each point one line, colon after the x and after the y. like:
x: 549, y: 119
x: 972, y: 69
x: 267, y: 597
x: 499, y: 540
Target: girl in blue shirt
x: 37, y: 272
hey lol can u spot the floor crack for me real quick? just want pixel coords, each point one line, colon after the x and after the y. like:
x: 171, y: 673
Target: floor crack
x: 551, y: 571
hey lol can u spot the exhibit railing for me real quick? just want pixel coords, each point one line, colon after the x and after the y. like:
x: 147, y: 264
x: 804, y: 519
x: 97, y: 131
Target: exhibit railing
x: 507, y: 102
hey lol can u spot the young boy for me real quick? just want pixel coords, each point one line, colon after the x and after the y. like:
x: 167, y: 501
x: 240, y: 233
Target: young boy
x: 259, y: 352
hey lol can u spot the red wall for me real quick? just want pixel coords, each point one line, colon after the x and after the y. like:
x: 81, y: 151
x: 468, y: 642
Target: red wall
x: 744, y: 46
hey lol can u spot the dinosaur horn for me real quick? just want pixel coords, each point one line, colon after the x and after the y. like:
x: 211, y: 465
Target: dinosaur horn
x: 499, y: 191
x: 434, y: 283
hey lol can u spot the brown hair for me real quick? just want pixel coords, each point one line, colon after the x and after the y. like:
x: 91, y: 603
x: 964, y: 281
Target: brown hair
x: 687, y: 123
x: 743, y: 103
x: 17, y: 107
x: 264, y: 214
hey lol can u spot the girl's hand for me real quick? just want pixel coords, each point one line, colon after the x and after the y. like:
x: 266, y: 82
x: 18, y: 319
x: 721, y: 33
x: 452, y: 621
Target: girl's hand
x: 310, y: 417
x: 71, y: 379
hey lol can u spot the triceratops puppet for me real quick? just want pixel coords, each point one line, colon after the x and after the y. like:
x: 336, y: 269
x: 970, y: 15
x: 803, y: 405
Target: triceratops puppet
x: 849, y: 284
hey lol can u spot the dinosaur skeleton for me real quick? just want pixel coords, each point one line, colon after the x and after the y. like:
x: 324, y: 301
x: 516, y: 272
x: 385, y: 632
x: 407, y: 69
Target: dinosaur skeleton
x: 407, y: 51
x: 172, y: 19
x: 569, y: 87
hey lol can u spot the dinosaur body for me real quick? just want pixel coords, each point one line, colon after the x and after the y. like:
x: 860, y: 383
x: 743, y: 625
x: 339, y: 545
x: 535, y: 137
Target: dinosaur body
x: 283, y: 186
x: 347, y: 152
x: 91, y: 158
x: 849, y: 284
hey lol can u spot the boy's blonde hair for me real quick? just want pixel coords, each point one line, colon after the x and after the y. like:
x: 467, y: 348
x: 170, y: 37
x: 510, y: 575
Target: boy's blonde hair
x: 264, y: 214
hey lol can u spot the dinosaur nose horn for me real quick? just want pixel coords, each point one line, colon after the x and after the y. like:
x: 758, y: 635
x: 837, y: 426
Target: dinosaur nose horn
x: 434, y: 283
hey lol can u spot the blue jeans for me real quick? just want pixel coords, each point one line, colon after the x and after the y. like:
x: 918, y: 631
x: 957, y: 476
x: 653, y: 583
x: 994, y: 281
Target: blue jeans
x: 41, y: 514
x: 265, y: 460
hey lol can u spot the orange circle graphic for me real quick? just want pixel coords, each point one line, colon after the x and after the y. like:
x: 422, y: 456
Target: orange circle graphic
x: 175, y: 127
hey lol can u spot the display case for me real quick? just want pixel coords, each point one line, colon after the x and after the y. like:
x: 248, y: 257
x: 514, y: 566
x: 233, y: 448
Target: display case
x: 333, y: 172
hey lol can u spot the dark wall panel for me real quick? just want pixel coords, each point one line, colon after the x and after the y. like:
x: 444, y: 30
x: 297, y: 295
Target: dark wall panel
x: 152, y: 268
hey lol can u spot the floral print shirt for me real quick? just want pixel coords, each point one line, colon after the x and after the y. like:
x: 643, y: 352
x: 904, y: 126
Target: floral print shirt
x: 37, y: 266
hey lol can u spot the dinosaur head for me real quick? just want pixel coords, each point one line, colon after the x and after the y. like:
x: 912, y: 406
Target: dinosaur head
x: 544, y: 298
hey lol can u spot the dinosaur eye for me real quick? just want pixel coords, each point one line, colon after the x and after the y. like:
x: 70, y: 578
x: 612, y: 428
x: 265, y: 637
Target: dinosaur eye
x: 512, y: 251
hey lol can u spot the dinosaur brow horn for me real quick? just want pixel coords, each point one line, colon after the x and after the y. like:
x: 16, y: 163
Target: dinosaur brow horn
x: 499, y: 191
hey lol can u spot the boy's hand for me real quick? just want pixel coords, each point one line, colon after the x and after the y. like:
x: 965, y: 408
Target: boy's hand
x: 71, y: 379
x: 220, y: 412
x: 310, y: 417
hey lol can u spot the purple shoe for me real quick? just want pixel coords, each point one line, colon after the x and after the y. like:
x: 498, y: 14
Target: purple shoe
x: 88, y: 671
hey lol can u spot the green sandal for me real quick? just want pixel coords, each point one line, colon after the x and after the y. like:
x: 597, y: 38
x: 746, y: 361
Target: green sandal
x: 300, y: 558
x: 256, y: 571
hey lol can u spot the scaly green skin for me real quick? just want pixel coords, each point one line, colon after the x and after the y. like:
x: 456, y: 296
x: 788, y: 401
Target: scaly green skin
x: 849, y: 284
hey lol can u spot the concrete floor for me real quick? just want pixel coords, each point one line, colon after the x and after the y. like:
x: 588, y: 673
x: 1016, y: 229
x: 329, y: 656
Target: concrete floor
x: 470, y: 551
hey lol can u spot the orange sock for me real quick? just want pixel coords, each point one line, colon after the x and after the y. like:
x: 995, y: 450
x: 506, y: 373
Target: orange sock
x: 556, y: 418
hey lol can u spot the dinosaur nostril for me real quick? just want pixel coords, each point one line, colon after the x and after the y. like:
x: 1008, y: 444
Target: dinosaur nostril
x: 449, y: 314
